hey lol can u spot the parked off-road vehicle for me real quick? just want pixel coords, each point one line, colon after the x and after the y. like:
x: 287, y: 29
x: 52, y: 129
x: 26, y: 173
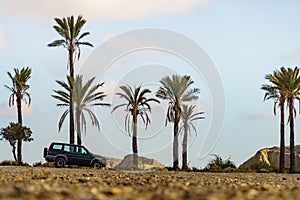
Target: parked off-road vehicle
x: 69, y: 154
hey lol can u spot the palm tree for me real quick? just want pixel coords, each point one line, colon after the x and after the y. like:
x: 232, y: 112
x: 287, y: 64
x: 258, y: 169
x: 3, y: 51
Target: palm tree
x: 276, y: 91
x: 176, y: 90
x: 292, y: 85
x: 137, y: 105
x: 188, y: 116
x: 14, y: 132
x: 84, y: 97
x: 69, y: 30
x: 286, y: 87
x: 18, y: 93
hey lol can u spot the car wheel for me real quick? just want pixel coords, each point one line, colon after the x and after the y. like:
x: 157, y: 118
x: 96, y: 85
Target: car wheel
x: 97, y: 164
x: 60, y: 162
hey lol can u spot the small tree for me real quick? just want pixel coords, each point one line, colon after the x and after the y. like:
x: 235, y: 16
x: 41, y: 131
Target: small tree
x: 15, y: 132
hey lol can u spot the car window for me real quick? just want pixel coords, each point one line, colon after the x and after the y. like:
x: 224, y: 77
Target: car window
x: 69, y: 148
x: 57, y: 147
x: 81, y: 150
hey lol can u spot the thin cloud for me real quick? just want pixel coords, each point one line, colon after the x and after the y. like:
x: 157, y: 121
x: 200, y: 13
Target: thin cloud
x: 109, y: 88
x: 292, y: 58
x: 3, y: 42
x: 256, y: 116
x: 6, y: 111
x: 98, y: 9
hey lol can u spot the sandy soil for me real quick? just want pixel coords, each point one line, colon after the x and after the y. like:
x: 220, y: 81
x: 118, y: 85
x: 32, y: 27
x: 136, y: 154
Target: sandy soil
x: 88, y: 183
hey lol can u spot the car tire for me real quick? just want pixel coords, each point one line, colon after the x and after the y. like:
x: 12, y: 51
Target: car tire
x: 60, y: 162
x: 97, y: 164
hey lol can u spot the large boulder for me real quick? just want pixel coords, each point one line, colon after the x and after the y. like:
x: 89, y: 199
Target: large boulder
x: 144, y: 163
x: 268, y: 159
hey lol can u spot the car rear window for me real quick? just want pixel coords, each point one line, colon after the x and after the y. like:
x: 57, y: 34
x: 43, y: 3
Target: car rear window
x: 57, y: 147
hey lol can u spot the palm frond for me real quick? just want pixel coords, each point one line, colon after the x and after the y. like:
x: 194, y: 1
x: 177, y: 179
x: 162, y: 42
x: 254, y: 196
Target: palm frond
x: 62, y: 119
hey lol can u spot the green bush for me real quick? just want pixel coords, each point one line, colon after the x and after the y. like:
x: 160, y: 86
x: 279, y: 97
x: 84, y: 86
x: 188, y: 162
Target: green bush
x: 217, y: 164
x: 9, y: 163
x: 12, y: 163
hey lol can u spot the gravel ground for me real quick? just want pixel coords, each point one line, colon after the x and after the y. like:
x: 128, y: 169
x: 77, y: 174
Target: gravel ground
x: 51, y: 183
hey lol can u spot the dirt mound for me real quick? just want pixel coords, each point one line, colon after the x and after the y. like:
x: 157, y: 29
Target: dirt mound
x: 269, y: 158
x: 144, y: 163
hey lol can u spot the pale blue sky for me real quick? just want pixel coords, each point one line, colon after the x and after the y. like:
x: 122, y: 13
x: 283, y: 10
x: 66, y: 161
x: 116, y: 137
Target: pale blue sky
x: 245, y: 40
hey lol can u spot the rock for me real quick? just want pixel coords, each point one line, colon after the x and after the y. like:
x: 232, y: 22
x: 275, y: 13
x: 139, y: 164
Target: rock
x: 111, y: 163
x: 144, y: 164
x: 123, y: 190
x: 83, y: 180
x: 267, y: 159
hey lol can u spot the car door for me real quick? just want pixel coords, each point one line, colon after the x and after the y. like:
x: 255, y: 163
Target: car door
x: 83, y: 157
x: 69, y: 151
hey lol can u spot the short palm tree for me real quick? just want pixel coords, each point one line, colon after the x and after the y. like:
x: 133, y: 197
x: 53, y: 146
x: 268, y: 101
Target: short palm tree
x: 85, y: 96
x: 276, y: 91
x: 14, y: 132
x: 176, y: 90
x: 188, y: 116
x: 69, y: 30
x: 137, y: 105
x: 19, y: 92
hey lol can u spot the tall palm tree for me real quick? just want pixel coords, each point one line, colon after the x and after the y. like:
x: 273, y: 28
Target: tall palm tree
x: 292, y: 93
x: 286, y: 87
x: 19, y: 92
x: 176, y: 90
x: 69, y: 30
x: 137, y: 105
x: 188, y: 116
x: 85, y: 96
x: 276, y: 91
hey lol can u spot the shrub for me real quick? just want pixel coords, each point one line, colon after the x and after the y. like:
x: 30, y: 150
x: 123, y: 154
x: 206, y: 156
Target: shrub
x: 13, y: 163
x: 9, y: 163
x: 217, y: 164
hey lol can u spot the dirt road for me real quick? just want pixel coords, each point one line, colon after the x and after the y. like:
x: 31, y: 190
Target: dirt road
x: 51, y: 183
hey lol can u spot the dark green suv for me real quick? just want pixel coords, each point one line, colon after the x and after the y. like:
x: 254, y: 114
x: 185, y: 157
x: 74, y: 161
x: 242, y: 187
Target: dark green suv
x: 69, y: 154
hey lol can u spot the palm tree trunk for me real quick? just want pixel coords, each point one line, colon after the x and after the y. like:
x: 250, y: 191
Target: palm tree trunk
x: 71, y: 65
x: 175, y: 142
x: 282, y: 142
x: 184, y: 148
x: 134, y: 141
x: 19, y: 142
x: 292, y: 136
x: 78, y: 130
